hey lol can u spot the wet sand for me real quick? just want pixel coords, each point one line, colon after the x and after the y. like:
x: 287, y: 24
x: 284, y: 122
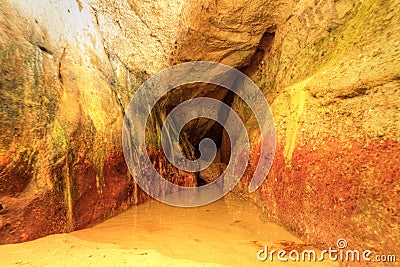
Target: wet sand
x: 227, y: 232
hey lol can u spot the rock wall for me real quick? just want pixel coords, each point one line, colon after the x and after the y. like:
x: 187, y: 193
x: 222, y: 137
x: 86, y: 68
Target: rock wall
x: 67, y: 71
x: 332, y: 78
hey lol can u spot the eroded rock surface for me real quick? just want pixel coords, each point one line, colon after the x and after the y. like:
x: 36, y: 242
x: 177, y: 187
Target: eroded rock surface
x: 332, y: 78
x: 68, y: 69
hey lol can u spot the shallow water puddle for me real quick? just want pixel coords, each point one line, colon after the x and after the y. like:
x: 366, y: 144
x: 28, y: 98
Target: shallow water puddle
x: 227, y: 232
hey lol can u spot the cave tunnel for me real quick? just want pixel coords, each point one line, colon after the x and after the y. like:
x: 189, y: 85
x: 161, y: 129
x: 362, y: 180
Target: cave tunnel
x: 317, y: 90
x: 193, y: 132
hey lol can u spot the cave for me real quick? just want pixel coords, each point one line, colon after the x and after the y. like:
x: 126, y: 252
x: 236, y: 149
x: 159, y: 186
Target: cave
x: 199, y: 133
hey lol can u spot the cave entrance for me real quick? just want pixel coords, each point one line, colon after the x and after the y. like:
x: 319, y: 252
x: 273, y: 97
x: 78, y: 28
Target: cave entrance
x: 216, y: 132
x: 198, y: 129
x: 195, y: 130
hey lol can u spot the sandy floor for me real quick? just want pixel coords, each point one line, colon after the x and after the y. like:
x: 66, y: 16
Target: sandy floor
x: 227, y: 232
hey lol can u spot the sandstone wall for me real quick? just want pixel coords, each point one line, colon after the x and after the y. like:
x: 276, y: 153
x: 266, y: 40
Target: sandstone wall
x: 332, y: 78
x: 67, y: 71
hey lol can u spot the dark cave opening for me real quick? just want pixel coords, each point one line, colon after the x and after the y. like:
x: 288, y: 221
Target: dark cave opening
x: 264, y: 48
x: 216, y: 133
x: 195, y: 130
x: 201, y: 128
